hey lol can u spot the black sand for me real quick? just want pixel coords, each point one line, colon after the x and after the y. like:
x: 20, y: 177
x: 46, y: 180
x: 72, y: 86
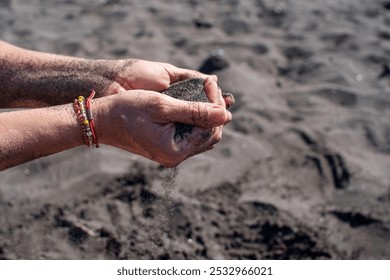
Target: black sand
x: 188, y: 90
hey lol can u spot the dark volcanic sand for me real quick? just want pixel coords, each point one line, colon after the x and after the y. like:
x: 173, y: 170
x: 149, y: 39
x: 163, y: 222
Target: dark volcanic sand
x: 188, y: 90
x: 302, y: 171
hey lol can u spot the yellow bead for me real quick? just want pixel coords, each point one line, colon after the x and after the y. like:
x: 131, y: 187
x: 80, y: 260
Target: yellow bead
x: 81, y: 99
x: 86, y: 122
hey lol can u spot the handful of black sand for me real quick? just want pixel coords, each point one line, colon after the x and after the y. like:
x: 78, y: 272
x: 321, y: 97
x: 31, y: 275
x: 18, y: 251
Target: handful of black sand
x: 188, y: 90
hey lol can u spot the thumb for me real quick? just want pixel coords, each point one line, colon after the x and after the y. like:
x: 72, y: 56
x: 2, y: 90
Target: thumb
x: 201, y: 114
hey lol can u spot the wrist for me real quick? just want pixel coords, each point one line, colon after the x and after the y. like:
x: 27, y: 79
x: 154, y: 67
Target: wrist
x: 125, y: 73
x: 104, y: 74
x: 101, y: 108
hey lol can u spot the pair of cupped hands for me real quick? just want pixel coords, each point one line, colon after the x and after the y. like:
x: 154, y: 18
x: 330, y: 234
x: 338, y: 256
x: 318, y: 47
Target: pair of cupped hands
x: 136, y: 117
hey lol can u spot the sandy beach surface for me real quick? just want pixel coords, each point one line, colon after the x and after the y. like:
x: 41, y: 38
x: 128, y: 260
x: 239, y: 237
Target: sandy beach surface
x: 302, y: 172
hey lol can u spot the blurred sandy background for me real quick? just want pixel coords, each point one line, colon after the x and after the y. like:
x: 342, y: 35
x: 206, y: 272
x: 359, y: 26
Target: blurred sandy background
x: 302, y: 172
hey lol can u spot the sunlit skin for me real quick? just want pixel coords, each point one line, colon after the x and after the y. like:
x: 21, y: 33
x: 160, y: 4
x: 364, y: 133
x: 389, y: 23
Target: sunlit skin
x: 130, y: 112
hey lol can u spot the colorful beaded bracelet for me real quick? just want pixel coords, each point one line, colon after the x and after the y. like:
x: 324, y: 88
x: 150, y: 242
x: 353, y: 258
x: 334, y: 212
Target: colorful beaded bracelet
x: 84, y: 115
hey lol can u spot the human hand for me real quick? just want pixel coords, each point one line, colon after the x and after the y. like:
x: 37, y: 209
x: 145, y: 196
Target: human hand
x: 157, y: 76
x: 33, y: 79
x: 143, y: 122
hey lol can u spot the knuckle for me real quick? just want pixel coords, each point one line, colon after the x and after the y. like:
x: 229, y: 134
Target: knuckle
x: 160, y: 107
x: 198, y: 114
x: 208, y: 78
x: 216, y: 137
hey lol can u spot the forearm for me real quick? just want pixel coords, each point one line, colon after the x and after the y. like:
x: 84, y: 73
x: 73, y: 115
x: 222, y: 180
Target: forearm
x: 35, y: 79
x: 29, y: 134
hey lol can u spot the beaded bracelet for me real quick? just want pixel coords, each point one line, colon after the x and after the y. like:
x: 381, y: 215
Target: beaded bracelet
x: 91, y: 119
x: 84, y: 115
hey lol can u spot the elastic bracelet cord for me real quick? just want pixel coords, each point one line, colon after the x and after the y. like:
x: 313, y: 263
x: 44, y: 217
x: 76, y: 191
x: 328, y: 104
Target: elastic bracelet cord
x: 91, y: 119
x: 84, y: 115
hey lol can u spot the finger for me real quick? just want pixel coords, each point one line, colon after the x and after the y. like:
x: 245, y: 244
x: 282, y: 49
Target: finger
x: 199, y: 114
x: 220, y: 98
x: 204, y: 139
x: 213, y: 92
x: 199, y: 141
x: 228, y: 99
